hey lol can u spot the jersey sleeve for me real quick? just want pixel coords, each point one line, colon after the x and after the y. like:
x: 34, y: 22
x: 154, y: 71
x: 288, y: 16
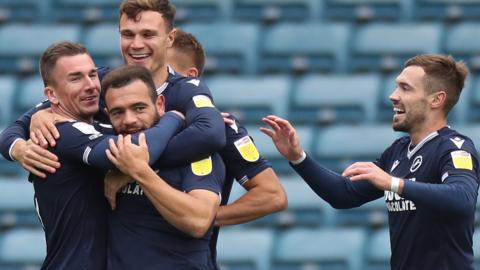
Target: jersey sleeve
x: 455, y: 193
x: 240, y: 155
x: 20, y: 129
x: 205, y: 130
x: 208, y: 174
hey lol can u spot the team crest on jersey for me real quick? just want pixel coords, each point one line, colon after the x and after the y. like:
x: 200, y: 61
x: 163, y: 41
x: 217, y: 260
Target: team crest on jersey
x: 417, y: 162
x: 462, y: 160
x: 247, y: 149
x: 202, y: 167
x: 202, y: 101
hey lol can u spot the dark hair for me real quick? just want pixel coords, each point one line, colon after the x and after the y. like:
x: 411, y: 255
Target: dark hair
x: 125, y: 75
x: 50, y: 56
x: 187, y: 43
x: 132, y: 8
x: 442, y: 73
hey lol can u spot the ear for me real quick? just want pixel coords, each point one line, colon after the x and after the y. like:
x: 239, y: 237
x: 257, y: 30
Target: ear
x: 171, y: 37
x: 438, y: 99
x: 51, y: 95
x: 192, y: 72
x: 160, y: 105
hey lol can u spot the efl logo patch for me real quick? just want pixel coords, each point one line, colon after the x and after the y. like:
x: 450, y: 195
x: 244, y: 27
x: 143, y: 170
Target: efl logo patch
x: 247, y: 149
x: 462, y: 160
x: 202, y: 167
x: 202, y: 101
x: 85, y: 128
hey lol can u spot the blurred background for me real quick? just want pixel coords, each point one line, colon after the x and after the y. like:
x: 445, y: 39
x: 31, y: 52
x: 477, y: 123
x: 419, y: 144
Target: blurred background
x: 327, y: 65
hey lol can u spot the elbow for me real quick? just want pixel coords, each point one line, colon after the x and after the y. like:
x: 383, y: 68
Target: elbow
x: 200, y: 228
x: 280, y: 202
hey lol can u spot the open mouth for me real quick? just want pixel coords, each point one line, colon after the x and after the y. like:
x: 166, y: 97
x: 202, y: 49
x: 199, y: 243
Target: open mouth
x: 139, y: 56
x: 398, y: 111
x: 90, y: 98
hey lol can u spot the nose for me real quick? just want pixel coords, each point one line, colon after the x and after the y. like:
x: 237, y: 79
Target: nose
x: 129, y: 118
x: 394, y: 96
x: 137, y: 42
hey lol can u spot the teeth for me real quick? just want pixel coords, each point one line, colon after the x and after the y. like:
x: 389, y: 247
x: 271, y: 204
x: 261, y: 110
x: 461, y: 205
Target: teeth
x: 397, y: 110
x: 139, y: 55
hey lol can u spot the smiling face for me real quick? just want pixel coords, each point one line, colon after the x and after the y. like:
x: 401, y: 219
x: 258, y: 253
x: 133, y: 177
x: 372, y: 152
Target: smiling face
x: 144, y: 40
x: 75, y: 88
x: 410, y: 100
x: 131, y: 108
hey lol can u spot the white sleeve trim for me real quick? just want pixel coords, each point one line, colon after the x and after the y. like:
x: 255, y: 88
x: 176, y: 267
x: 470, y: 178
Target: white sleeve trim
x: 11, y: 148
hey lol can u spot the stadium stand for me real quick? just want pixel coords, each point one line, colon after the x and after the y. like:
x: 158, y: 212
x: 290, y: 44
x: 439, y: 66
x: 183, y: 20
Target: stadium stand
x: 22, y: 249
x: 103, y: 43
x: 462, y: 40
x: 86, y: 11
x: 319, y: 248
x: 378, y: 252
x: 16, y: 205
x: 240, y: 249
x: 230, y: 48
x: 30, y: 94
x: 336, y: 99
x: 7, y: 86
x: 309, y: 47
x: 385, y: 46
x: 249, y: 98
x: 206, y: 10
x: 22, y: 44
x: 366, y: 10
x: 447, y: 10
x: 269, y: 11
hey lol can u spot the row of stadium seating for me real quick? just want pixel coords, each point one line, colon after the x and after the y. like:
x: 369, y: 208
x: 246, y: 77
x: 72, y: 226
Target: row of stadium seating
x: 246, y: 48
x: 311, y: 99
x: 305, y: 208
x: 252, y: 249
x: 266, y: 11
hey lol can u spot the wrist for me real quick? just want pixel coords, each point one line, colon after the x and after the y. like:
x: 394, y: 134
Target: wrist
x: 396, y: 185
x: 16, y: 148
x: 299, y: 158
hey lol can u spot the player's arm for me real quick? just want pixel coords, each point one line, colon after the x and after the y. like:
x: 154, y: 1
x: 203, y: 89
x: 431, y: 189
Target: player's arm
x: 157, y: 136
x: 335, y: 189
x: 265, y: 194
x: 192, y: 211
x: 457, y: 194
x: 205, y: 131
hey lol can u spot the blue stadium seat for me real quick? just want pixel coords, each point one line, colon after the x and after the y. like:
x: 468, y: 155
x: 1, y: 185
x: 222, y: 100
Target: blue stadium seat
x: 309, y: 47
x: 267, y: 148
x: 86, y: 11
x: 20, y: 10
x: 463, y: 41
x: 240, y: 249
x: 21, y: 45
x: 251, y: 98
x: 379, y: 251
x: 476, y: 247
x: 277, y: 10
x: 365, y: 10
x: 372, y: 214
x: 339, y: 146
x: 230, y: 48
x: 447, y: 9
x: 103, y: 43
x: 16, y: 204
x: 319, y: 249
x: 7, y: 86
x: 22, y: 249
x: 336, y: 98
x: 305, y: 208
x: 29, y: 95
x: 385, y: 47
x: 205, y: 10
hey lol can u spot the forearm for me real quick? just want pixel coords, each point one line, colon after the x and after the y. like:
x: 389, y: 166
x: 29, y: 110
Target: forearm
x: 157, y: 138
x: 12, y: 134
x: 204, y: 135
x: 335, y: 189
x: 265, y: 196
x: 187, y: 213
x: 456, y: 196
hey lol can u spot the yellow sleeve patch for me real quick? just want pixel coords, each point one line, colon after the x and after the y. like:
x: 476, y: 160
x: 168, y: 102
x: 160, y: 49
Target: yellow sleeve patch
x: 462, y: 160
x: 202, y: 101
x: 247, y: 149
x: 202, y: 167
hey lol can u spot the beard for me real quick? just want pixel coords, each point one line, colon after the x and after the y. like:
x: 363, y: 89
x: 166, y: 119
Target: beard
x: 413, y: 118
x: 132, y: 129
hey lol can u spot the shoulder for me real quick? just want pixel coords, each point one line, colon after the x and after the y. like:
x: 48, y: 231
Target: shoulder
x: 451, y: 140
x: 76, y: 129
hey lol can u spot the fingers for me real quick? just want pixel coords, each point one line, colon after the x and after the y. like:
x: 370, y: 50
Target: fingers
x: 227, y: 120
x: 37, y: 158
x: 225, y: 114
x: 110, y: 195
x: 270, y: 133
x: 113, y: 149
x: 40, y: 138
x: 51, y: 133
x: 271, y: 123
x: 111, y: 157
x: 34, y: 171
x: 142, y: 140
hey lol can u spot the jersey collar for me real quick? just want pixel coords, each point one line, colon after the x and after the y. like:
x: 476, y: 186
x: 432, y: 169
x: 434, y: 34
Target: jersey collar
x: 419, y: 145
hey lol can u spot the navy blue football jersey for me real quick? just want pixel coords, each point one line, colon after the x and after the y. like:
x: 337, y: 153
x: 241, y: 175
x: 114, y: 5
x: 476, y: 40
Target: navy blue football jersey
x: 423, y: 237
x: 242, y: 162
x: 140, y: 238
x: 71, y: 204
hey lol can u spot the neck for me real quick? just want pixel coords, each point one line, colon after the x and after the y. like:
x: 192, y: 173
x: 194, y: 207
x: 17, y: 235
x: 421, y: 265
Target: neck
x: 160, y: 76
x: 59, y: 110
x: 429, y: 126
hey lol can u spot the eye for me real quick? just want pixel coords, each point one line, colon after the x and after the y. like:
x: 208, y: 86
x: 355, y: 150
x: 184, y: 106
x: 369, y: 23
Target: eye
x: 140, y: 108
